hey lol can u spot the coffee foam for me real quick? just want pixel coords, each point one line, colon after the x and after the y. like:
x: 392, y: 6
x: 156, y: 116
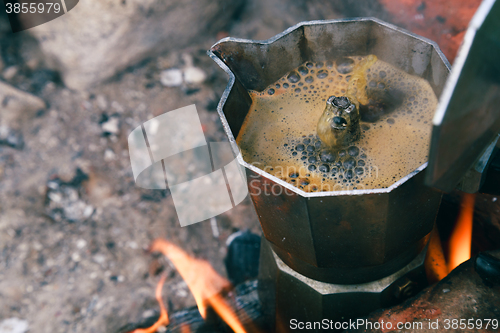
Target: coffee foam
x: 395, y: 126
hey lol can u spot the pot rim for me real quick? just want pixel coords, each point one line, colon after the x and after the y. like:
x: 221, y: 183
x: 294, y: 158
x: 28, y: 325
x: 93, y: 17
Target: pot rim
x: 271, y: 40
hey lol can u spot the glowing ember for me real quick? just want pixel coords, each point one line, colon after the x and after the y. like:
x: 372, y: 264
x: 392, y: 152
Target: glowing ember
x: 205, y: 283
x: 163, y: 320
x: 185, y: 328
x: 461, y: 238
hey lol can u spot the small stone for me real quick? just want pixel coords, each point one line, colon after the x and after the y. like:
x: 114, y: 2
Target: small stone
x: 109, y: 155
x: 76, y: 257
x: 81, y: 243
x: 55, y: 197
x: 194, y: 75
x: 10, y: 72
x: 171, y: 77
x: 88, y: 211
x: 12, y: 138
x: 133, y: 245
x: 99, y: 258
x: 148, y: 313
x: 17, y: 103
x: 49, y: 87
x: 33, y: 63
x: 117, y: 106
x: 13, y: 325
x: 112, y: 126
x: 37, y: 246
x: 102, y: 103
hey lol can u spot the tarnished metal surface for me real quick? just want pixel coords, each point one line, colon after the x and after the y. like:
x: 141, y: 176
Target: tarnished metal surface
x: 474, y: 178
x: 347, y: 239
x: 468, y: 117
x: 349, y: 229
x: 290, y: 295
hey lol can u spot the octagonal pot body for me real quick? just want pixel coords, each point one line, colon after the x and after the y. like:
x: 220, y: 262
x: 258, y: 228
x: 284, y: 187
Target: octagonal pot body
x: 344, y: 236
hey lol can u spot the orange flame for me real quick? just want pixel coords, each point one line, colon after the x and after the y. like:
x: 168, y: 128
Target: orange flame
x: 163, y: 320
x: 461, y: 237
x: 204, y: 282
x: 435, y: 264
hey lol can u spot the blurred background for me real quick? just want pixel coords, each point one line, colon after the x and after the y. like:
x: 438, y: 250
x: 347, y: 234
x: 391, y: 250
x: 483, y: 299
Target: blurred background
x: 73, y: 226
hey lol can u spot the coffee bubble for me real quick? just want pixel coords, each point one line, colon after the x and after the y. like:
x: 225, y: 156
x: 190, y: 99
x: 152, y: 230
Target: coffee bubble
x: 345, y: 65
x: 322, y: 74
x: 327, y: 156
x: 359, y: 171
x: 324, y: 168
x: 303, y: 70
x: 349, y: 163
x: 293, y: 77
x: 353, y: 151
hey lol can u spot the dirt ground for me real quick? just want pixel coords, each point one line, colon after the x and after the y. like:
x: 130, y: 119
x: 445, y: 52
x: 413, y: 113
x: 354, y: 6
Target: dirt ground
x: 73, y: 225
x: 72, y: 243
